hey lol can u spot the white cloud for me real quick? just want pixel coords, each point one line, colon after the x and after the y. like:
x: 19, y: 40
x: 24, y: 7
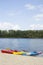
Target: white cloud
x: 36, y: 27
x: 38, y: 17
x: 34, y: 7
x: 30, y: 6
x: 40, y: 7
x: 8, y: 26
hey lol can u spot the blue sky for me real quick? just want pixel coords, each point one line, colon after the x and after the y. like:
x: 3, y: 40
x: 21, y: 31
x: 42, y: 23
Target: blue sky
x: 21, y: 14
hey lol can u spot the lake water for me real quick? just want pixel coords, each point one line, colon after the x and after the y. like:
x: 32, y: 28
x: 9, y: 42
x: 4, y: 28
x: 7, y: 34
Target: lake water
x: 22, y: 44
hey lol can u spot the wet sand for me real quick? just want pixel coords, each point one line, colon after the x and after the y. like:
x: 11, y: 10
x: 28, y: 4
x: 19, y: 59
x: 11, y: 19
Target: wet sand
x: 10, y: 59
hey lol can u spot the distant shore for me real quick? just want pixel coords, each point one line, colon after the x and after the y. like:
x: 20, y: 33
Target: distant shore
x: 21, y: 33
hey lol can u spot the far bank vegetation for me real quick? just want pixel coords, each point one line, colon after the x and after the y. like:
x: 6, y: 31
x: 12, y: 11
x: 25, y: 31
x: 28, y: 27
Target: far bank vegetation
x: 21, y: 34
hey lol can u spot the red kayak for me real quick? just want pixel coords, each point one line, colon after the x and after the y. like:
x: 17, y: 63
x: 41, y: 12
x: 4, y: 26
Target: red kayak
x: 7, y: 51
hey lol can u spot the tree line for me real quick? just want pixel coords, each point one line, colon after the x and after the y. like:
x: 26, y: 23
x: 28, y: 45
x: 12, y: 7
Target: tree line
x: 21, y: 34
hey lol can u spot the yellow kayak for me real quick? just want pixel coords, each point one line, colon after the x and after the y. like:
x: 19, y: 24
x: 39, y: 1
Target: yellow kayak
x: 18, y: 53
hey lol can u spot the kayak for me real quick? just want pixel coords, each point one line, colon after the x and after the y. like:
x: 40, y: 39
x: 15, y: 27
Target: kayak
x: 7, y: 51
x: 18, y: 53
x: 32, y: 54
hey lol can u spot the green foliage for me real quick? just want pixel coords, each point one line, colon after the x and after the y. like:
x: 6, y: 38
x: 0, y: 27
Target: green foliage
x: 21, y: 34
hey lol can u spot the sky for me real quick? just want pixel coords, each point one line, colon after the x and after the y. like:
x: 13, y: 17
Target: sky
x: 21, y: 14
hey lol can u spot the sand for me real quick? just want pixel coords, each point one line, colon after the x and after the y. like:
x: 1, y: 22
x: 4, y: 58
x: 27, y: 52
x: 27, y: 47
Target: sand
x: 10, y: 59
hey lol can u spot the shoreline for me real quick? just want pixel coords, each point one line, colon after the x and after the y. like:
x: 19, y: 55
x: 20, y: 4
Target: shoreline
x: 10, y: 59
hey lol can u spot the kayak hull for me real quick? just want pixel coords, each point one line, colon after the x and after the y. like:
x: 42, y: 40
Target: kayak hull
x: 18, y: 53
x: 7, y: 51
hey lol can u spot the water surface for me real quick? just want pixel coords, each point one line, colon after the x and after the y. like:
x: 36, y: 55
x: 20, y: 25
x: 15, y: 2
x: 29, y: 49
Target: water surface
x: 22, y: 44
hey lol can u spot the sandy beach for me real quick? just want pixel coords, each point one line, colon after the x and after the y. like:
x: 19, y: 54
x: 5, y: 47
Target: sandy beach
x: 10, y: 59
